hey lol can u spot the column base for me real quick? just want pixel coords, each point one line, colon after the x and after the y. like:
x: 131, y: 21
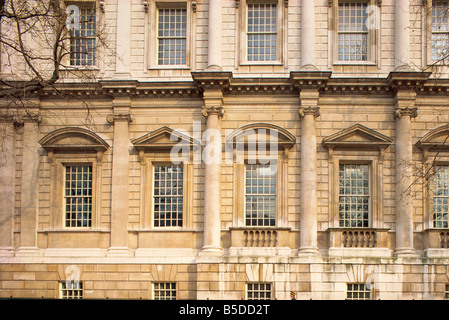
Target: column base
x: 27, y: 252
x: 310, y: 251
x: 405, y: 252
x: 211, y: 251
x: 118, y: 252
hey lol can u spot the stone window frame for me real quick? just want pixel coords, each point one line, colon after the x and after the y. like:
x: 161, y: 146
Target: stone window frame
x: 374, y: 36
x: 360, y: 145
x: 99, y: 52
x: 241, y: 56
x: 435, y: 148
x: 427, y: 35
x: 151, y: 29
x: 154, y: 149
x: 286, y: 142
x: 73, y: 146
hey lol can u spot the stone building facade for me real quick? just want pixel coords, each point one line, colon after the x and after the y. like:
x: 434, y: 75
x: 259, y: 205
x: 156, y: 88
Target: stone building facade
x: 346, y: 100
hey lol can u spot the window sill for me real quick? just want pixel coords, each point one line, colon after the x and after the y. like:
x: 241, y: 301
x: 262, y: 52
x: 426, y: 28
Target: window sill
x: 174, y: 67
x: 261, y: 63
x: 354, y: 63
x: 81, y: 230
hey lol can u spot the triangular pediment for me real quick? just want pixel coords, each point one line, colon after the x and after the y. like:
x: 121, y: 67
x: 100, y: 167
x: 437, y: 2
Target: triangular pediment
x: 436, y: 140
x: 357, y: 136
x: 73, y: 139
x: 163, y: 138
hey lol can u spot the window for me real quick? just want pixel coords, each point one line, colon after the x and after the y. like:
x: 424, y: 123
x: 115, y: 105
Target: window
x: 168, y: 195
x: 258, y: 291
x: 78, y: 196
x: 441, y: 197
x: 261, y: 35
x: 262, y: 32
x: 446, y: 292
x: 260, y: 195
x: 172, y: 36
x: 71, y: 290
x: 439, y: 30
x: 354, y: 193
x: 354, y: 35
x: 164, y: 291
x: 83, y: 39
x: 357, y: 291
x: 352, y: 32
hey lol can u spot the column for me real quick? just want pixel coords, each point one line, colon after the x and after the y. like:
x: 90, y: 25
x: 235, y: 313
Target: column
x: 29, y: 190
x: 212, y: 175
x: 308, y: 35
x: 123, y: 40
x: 404, y: 181
x: 402, y: 35
x: 7, y: 173
x: 215, y: 35
x: 120, y: 181
x: 308, y: 233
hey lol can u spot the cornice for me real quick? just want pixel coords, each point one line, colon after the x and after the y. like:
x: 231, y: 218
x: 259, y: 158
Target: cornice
x: 418, y: 83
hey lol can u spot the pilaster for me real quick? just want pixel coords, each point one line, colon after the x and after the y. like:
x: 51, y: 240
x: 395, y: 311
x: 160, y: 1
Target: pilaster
x: 29, y: 190
x: 7, y: 174
x: 120, y: 173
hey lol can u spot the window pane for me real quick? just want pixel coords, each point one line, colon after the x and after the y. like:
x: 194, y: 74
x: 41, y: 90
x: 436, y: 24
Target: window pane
x: 83, y: 40
x: 78, y: 196
x: 172, y: 35
x: 354, y: 195
x: 352, y: 42
x: 72, y: 290
x: 441, y: 197
x: 262, y: 32
x: 167, y: 195
x: 258, y: 291
x: 357, y: 291
x: 260, y: 195
x: 164, y: 291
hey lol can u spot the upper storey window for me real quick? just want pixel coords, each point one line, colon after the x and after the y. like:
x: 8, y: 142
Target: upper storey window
x: 262, y: 32
x: 440, y: 30
x: 352, y: 32
x: 83, y: 38
x: 172, y: 36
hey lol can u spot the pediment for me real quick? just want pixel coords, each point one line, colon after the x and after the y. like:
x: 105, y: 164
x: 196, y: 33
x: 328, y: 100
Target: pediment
x: 436, y: 140
x: 357, y: 136
x: 261, y: 133
x: 163, y: 138
x: 73, y: 139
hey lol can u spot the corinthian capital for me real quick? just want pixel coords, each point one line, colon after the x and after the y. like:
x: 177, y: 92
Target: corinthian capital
x: 213, y: 110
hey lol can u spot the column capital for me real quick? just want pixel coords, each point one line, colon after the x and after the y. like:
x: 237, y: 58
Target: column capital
x: 407, y: 112
x: 315, y: 111
x: 119, y: 117
x: 213, y: 110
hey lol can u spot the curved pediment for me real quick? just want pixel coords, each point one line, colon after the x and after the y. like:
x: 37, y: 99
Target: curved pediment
x: 73, y: 139
x: 163, y: 138
x: 357, y: 136
x: 261, y: 132
x: 436, y: 140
